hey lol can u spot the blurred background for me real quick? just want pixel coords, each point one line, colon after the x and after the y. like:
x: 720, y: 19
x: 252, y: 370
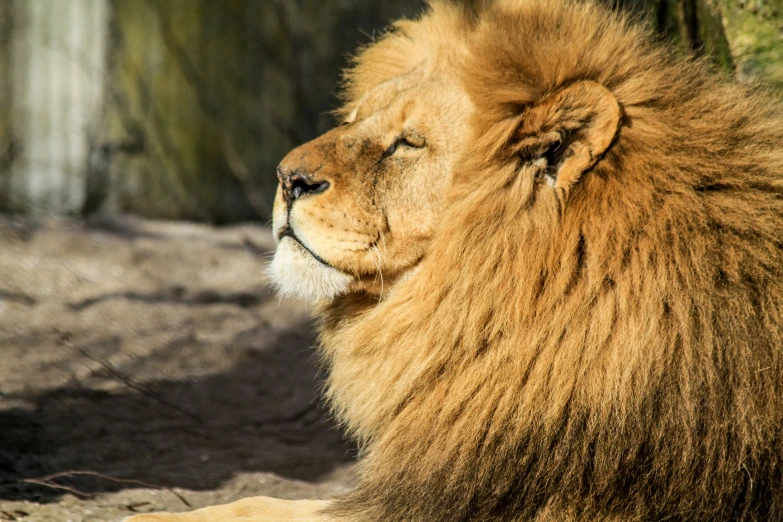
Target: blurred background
x: 181, y: 109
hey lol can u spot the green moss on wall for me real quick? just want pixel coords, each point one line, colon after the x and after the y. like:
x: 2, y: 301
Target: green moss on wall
x: 7, y: 145
x: 198, y: 87
x: 755, y: 31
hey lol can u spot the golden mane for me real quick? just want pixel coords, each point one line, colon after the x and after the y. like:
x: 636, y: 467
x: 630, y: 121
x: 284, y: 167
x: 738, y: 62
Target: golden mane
x: 614, y: 356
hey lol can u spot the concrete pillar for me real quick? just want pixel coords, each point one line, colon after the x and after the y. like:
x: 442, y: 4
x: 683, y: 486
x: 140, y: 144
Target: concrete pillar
x: 56, y: 64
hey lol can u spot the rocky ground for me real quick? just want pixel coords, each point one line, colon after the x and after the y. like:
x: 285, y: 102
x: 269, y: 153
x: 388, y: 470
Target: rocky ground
x: 147, y: 366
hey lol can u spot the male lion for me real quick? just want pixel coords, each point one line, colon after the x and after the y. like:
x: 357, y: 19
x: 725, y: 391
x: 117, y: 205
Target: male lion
x: 547, y: 254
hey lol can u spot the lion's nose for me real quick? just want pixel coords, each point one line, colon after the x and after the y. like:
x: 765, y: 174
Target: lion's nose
x: 297, y: 184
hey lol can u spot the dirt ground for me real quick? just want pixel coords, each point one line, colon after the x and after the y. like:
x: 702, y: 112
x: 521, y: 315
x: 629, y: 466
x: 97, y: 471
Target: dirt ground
x: 147, y: 366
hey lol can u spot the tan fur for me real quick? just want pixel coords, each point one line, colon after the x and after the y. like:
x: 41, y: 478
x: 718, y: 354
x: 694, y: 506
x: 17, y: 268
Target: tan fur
x: 581, y: 314
x: 256, y: 509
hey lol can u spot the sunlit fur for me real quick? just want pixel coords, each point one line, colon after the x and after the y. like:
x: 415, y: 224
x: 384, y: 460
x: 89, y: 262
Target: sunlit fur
x: 298, y: 274
x: 611, y: 354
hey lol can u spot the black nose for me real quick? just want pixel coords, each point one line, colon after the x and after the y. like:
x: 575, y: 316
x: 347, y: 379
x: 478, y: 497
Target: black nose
x: 297, y: 184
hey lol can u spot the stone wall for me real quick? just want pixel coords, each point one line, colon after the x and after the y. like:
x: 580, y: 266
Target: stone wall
x: 173, y: 109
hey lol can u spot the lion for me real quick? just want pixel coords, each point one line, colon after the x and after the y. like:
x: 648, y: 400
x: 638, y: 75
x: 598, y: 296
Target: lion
x: 546, y: 252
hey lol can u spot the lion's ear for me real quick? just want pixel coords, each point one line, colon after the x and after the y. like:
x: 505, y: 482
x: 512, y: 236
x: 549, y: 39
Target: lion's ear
x: 568, y: 131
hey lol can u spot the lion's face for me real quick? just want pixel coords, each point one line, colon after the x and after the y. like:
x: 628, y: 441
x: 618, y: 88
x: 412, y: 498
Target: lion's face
x: 356, y: 207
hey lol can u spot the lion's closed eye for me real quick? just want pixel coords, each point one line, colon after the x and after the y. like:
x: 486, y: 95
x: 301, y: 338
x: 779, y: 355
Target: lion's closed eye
x: 410, y: 139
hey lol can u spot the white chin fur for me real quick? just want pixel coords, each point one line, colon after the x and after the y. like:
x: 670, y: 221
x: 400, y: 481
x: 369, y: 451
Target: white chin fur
x: 298, y: 274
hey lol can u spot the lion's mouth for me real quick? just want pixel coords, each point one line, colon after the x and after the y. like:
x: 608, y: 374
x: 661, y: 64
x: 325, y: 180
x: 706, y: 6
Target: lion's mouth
x: 287, y: 231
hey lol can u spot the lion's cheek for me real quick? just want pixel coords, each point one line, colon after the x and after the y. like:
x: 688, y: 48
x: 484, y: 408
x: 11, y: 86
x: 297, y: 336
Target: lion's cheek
x: 298, y: 274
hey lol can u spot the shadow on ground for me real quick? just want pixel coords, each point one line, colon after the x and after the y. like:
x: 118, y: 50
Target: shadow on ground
x: 261, y: 415
x: 160, y: 358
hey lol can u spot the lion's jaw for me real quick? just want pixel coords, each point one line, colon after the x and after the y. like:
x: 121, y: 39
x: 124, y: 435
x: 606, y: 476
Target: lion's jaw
x: 296, y: 273
x: 357, y: 207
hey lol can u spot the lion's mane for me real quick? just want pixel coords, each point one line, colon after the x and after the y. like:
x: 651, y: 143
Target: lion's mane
x: 616, y: 358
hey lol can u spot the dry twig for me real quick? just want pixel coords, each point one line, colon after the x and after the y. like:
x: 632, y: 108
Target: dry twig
x: 130, y: 383
x: 49, y: 481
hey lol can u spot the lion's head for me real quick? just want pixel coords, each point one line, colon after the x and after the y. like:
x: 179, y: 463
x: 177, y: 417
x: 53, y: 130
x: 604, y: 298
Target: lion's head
x: 357, y: 207
x: 548, y: 256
